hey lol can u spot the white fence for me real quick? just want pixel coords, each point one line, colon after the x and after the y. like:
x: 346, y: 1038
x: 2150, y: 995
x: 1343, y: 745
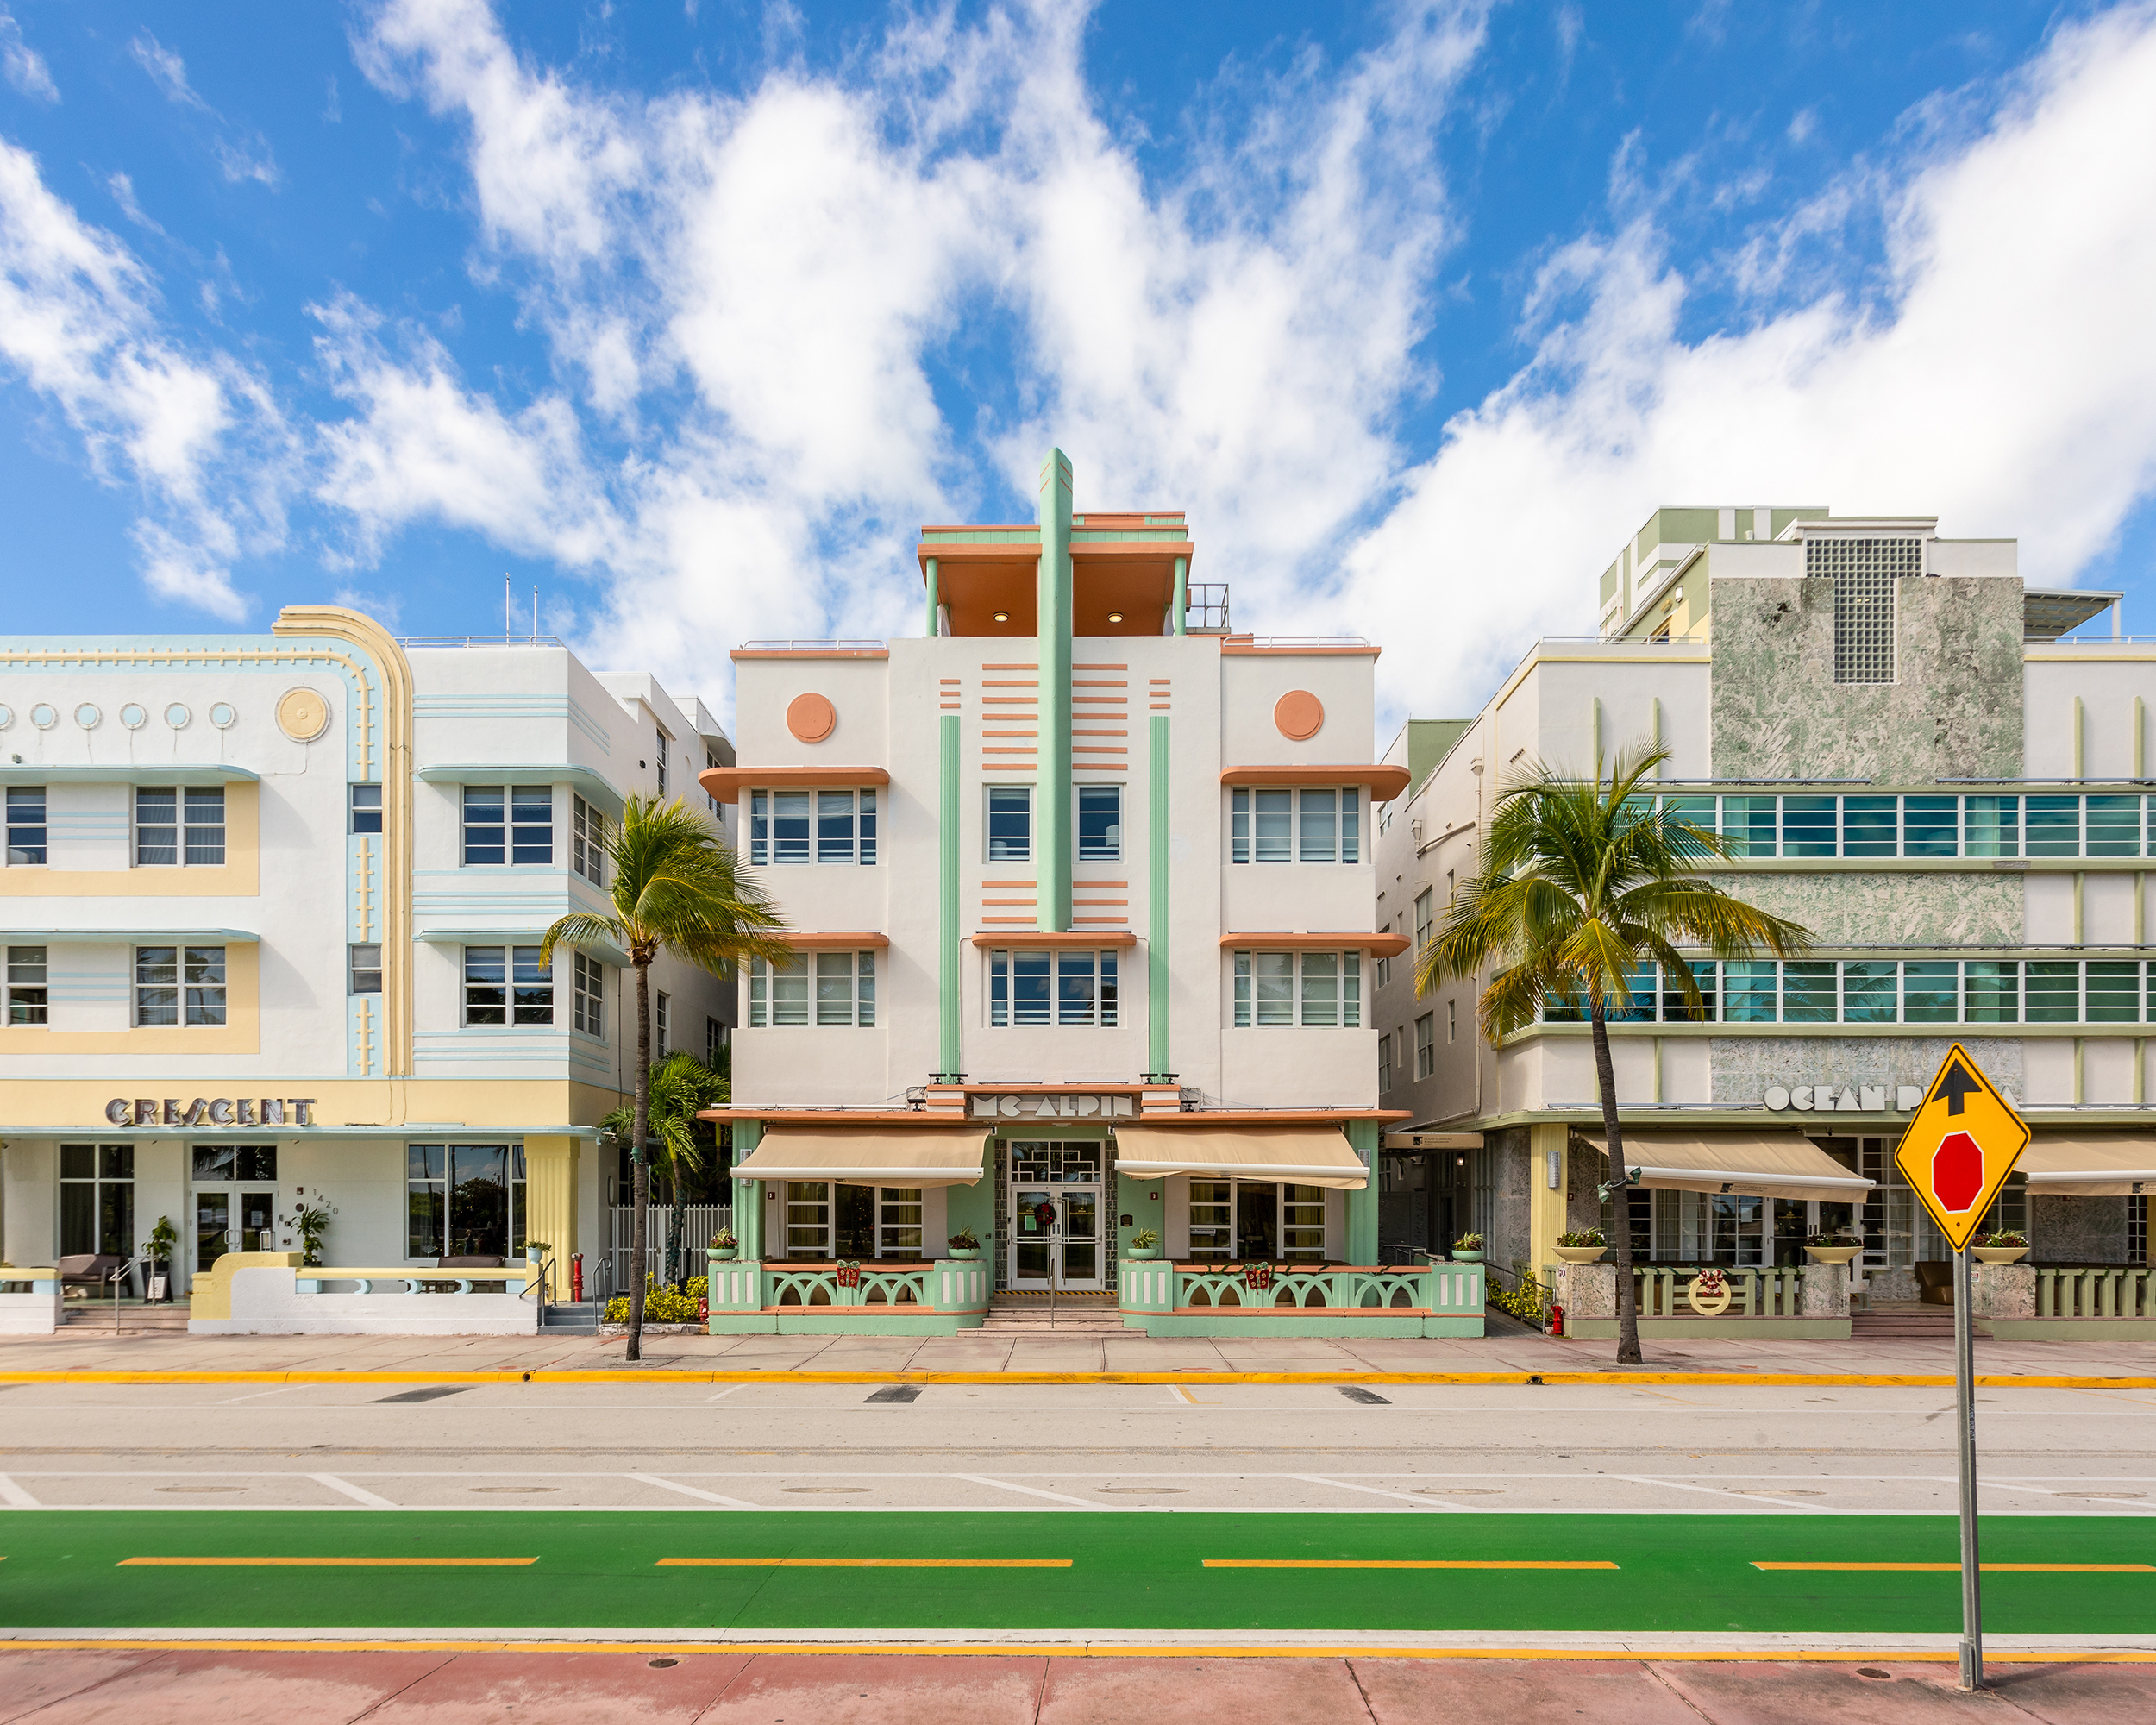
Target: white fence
x: 698, y: 1222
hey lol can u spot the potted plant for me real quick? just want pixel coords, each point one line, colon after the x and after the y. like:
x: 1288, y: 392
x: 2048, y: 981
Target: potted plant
x: 1467, y: 1249
x: 965, y: 1245
x: 723, y: 1245
x: 1145, y: 1243
x: 310, y: 1222
x: 2009, y: 1245
x: 1582, y: 1245
x: 536, y: 1251
x: 1837, y: 1245
x: 159, y: 1249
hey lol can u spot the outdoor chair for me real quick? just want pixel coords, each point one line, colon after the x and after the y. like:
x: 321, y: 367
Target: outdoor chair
x: 92, y: 1270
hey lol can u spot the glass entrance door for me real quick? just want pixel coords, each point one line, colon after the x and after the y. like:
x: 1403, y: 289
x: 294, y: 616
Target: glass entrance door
x: 236, y: 1199
x: 1055, y: 1222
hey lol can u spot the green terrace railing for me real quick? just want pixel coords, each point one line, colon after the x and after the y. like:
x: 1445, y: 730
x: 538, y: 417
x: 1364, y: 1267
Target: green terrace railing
x: 1934, y: 826
x: 1443, y: 1289
x: 1941, y: 991
x: 1752, y: 1293
x: 940, y: 1286
x: 2102, y: 1291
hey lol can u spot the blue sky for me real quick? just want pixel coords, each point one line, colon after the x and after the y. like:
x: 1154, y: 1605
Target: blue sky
x: 688, y: 314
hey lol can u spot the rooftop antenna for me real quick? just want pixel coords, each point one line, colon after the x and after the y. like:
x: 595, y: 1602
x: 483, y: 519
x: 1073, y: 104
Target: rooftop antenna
x: 534, y: 611
x: 508, y: 623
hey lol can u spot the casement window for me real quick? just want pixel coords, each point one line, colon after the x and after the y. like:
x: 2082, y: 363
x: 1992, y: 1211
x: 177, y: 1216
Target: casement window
x: 507, y: 985
x: 1451, y: 1020
x: 714, y: 1043
x: 1010, y: 823
x: 178, y: 827
x: 366, y: 808
x: 1426, y: 917
x: 177, y: 985
x: 1299, y: 987
x: 588, y: 841
x: 808, y: 1219
x: 1385, y: 1061
x: 812, y: 826
x: 661, y: 759
x: 508, y: 823
x: 25, y: 984
x: 1057, y: 988
x: 899, y: 1221
x: 464, y: 1200
x: 1296, y: 826
x: 588, y: 994
x: 364, y: 968
x: 1252, y: 1220
x: 26, y: 824
x: 662, y: 1023
x: 1099, y: 822
x: 1426, y: 1045
x: 825, y: 988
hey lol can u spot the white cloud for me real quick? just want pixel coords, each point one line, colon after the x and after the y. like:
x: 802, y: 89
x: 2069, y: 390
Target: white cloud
x: 238, y: 159
x: 2003, y: 376
x: 166, y: 70
x: 25, y: 67
x: 199, y: 436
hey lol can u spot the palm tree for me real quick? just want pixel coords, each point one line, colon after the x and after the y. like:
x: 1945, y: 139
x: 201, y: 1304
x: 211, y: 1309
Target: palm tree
x: 676, y: 889
x: 1583, y: 883
x: 681, y: 1087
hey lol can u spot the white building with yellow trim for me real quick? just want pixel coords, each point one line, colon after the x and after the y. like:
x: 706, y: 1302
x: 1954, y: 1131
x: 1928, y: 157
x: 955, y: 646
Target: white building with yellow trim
x: 269, y: 918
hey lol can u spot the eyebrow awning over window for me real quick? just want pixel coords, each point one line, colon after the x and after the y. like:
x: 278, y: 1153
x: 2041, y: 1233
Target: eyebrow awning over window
x: 1308, y: 1155
x: 1751, y: 1164
x: 2101, y: 1165
x: 868, y: 1156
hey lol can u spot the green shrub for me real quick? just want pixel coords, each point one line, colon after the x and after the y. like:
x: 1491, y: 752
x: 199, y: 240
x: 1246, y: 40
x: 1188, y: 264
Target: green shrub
x: 662, y: 1305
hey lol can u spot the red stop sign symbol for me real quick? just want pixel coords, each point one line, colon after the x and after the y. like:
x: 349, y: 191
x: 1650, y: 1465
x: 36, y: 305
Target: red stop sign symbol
x: 1957, y: 1171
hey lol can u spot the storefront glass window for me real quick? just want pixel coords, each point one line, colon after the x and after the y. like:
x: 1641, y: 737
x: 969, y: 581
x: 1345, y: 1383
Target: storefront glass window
x: 97, y: 1199
x: 464, y: 1200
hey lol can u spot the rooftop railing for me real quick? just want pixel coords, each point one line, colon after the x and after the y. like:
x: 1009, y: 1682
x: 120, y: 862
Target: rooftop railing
x: 806, y: 645
x: 411, y: 642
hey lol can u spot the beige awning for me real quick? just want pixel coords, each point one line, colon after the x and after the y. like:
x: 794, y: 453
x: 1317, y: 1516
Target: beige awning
x: 1754, y: 1165
x: 2101, y: 1165
x: 870, y: 1156
x: 1308, y: 1155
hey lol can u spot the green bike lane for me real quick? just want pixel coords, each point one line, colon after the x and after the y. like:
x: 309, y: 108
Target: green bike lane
x: 835, y: 1570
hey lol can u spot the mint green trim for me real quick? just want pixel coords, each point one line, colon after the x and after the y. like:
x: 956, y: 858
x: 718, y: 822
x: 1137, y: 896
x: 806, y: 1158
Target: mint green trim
x: 1853, y: 1029
x: 1759, y: 1329
x: 1053, y: 814
x: 747, y: 1213
x: 979, y: 536
x: 1362, y: 1206
x: 934, y: 600
x: 947, y: 934
x: 1156, y: 923
x: 1179, y: 605
x: 1128, y: 535
x: 2071, y: 1329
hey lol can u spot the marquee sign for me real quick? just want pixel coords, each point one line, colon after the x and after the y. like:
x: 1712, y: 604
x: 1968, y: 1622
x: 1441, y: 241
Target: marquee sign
x: 1054, y: 1108
x: 1845, y: 1099
x: 212, y: 1110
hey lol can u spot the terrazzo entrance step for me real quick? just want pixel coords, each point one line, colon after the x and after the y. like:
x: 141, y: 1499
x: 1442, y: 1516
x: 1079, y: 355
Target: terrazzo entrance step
x: 1072, y: 1313
x: 1928, y: 1323
x: 91, y: 1316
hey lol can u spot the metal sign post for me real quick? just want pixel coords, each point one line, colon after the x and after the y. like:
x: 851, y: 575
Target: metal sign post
x: 1960, y: 1146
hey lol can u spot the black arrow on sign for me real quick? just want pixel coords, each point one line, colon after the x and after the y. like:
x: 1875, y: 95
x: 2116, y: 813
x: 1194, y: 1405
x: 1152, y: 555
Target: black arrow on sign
x: 1954, y: 1086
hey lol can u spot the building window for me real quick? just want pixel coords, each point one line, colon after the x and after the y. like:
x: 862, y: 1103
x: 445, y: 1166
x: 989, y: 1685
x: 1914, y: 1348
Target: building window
x: 1010, y: 823
x: 1060, y: 988
x: 1305, y: 988
x: 588, y: 841
x: 525, y: 836
x: 1257, y: 1220
x: 588, y: 994
x: 1306, y: 826
x: 808, y: 1219
x: 897, y: 1221
x: 714, y: 1043
x: 25, y: 984
x: 26, y: 824
x: 661, y: 758
x: 1101, y: 823
x: 176, y: 826
x: 364, y: 968
x: 1426, y: 1045
x: 663, y: 1022
x: 779, y: 994
x: 366, y: 808
x: 819, y: 826
x: 179, y: 985
x: 1385, y: 1061
x: 710, y: 765
x: 97, y: 1199
x: 464, y: 1200
x: 507, y: 985
x: 1426, y: 920
x: 1451, y: 1020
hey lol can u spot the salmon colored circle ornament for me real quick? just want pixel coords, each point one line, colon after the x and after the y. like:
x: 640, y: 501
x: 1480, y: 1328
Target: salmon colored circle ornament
x: 811, y: 718
x: 1298, y: 715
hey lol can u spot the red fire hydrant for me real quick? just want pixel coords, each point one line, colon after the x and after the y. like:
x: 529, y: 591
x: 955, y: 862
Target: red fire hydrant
x: 576, y: 1279
x: 1556, y: 1321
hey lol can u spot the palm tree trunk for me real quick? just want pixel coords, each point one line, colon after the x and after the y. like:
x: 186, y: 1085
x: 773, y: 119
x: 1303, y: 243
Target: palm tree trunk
x: 1612, y: 1134
x: 639, y: 1169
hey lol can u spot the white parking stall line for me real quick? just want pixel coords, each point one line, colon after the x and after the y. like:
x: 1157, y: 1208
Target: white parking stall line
x: 724, y: 1393
x: 1419, y: 1502
x: 2123, y: 1501
x: 1030, y: 1491
x: 15, y: 1496
x: 358, y: 1493
x: 1716, y: 1491
x: 692, y: 1491
x: 257, y: 1394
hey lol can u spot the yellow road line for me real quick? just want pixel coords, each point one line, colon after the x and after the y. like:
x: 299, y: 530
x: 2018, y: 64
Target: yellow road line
x: 325, y: 1563
x: 1790, y: 1379
x: 864, y: 1563
x: 1990, y: 1568
x: 316, y: 1643
x: 1405, y: 1562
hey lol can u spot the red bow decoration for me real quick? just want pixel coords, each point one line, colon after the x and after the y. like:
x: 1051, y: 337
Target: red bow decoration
x: 849, y: 1275
x: 1257, y: 1276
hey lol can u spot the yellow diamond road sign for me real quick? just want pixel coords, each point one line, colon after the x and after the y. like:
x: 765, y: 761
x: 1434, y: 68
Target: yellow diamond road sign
x: 1959, y: 1148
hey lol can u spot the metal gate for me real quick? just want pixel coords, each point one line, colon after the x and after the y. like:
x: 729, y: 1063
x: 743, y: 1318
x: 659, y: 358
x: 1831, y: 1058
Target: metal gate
x: 699, y: 1223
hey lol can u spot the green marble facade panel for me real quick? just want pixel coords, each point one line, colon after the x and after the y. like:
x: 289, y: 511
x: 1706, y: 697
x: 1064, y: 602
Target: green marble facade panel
x: 1849, y: 908
x: 1742, y: 1067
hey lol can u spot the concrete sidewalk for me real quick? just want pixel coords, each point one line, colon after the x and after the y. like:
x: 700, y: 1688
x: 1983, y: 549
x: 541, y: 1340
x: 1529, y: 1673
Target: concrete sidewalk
x: 305, y: 1686
x: 1078, y: 1355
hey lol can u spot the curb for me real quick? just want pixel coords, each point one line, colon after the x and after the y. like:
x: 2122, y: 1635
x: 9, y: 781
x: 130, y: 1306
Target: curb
x: 634, y: 1375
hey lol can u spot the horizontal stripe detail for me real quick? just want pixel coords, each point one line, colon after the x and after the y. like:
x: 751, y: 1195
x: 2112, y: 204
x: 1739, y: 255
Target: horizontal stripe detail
x: 1408, y: 1563
x: 1989, y: 1569
x: 863, y: 1562
x: 327, y: 1563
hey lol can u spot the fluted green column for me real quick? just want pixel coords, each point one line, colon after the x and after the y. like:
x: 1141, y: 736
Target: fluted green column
x: 935, y: 601
x: 949, y: 935
x: 1156, y: 921
x: 1179, y: 605
x: 1052, y: 811
x: 747, y: 1222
